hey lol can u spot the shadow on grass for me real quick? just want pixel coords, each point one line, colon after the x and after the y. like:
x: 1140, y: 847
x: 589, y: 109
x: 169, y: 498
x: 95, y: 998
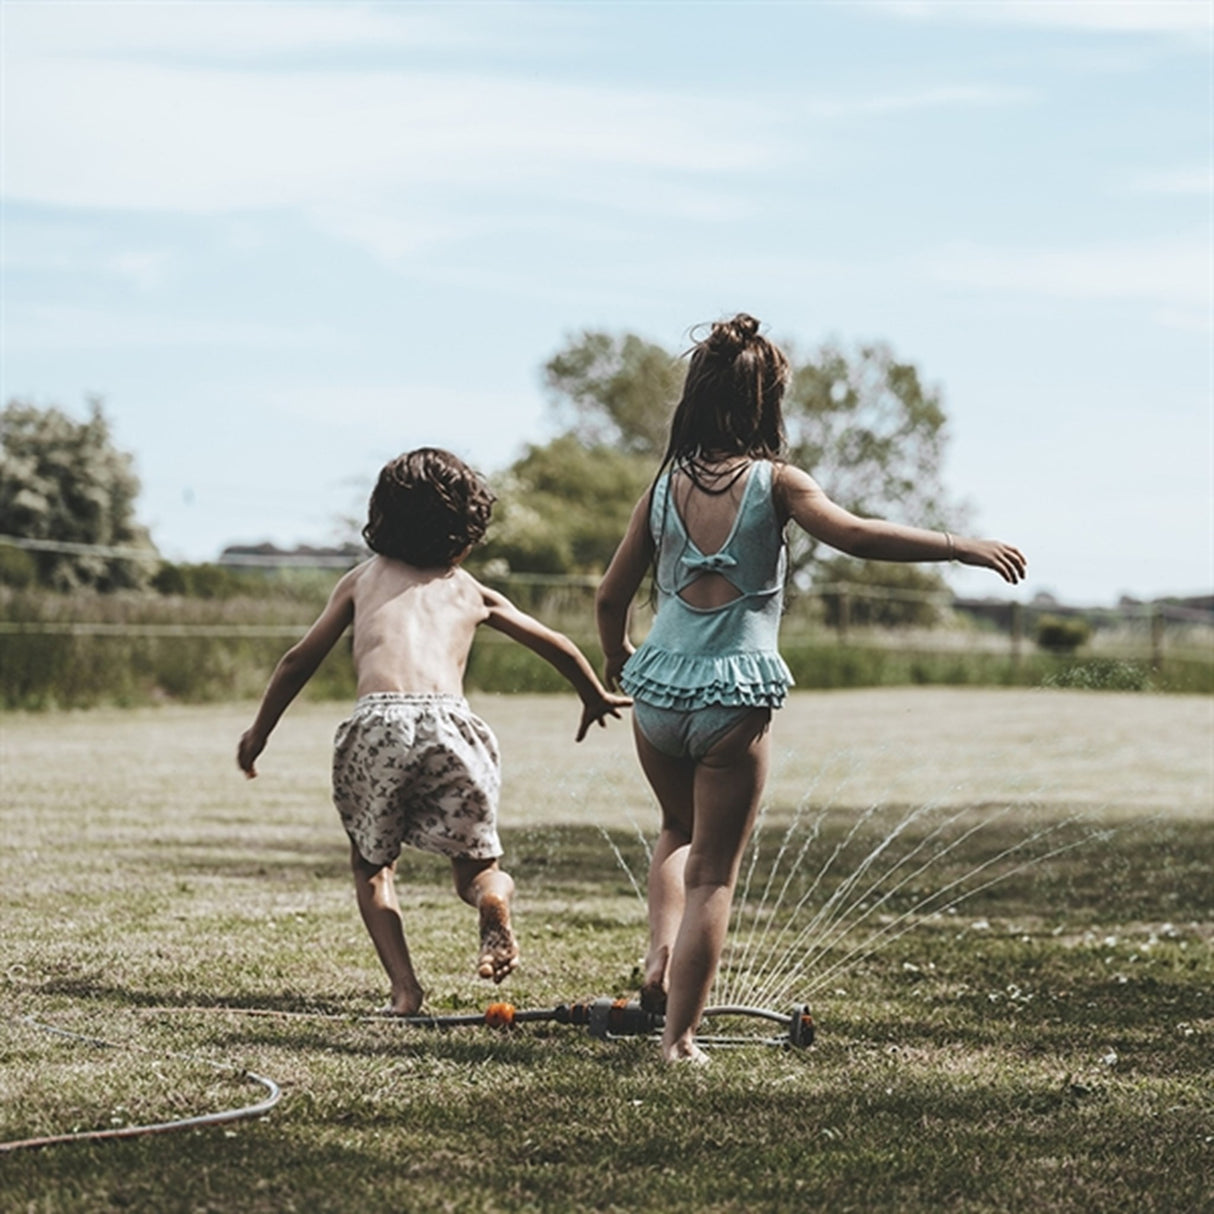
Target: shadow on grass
x: 1144, y: 869
x: 546, y: 858
x: 118, y: 996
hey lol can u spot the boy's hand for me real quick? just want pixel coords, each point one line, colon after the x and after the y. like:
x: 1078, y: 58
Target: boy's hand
x: 251, y: 745
x: 596, y: 709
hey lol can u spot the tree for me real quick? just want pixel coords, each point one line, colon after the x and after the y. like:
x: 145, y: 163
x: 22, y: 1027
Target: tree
x: 872, y: 435
x: 620, y: 389
x: 563, y: 507
x: 64, y: 481
x: 862, y: 423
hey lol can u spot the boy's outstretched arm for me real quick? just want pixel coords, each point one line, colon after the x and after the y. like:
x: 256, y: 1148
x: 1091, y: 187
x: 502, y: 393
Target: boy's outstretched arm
x: 294, y: 669
x: 559, y: 652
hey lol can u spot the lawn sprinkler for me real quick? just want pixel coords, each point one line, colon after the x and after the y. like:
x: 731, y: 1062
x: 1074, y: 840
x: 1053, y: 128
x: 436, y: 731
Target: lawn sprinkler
x: 615, y: 1019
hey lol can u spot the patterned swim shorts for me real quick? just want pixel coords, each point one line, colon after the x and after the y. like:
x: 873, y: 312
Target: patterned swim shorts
x: 417, y: 769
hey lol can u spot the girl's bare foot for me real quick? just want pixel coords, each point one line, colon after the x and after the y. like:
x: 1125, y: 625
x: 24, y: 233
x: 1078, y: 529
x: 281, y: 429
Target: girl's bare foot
x: 499, y: 949
x: 684, y: 1052
x: 653, y: 988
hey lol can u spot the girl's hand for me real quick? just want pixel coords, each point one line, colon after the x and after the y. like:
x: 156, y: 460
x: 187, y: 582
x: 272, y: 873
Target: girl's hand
x: 597, y: 709
x: 613, y: 666
x: 1008, y: 562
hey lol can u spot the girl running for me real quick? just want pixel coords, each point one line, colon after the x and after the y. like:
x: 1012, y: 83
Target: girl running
x: 706, y: 678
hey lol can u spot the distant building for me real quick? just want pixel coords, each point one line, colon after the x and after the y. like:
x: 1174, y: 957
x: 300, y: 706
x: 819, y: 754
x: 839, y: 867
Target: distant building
x: 304, y: 556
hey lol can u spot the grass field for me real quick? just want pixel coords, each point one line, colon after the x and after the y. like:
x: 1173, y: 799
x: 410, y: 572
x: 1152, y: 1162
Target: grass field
x: 1045, y: 1043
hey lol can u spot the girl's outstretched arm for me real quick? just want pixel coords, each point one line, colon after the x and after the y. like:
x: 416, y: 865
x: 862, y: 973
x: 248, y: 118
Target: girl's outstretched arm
x: 559, y: 652
x: 295, y: 668
x: 802, y: 499
x: 613, y: 602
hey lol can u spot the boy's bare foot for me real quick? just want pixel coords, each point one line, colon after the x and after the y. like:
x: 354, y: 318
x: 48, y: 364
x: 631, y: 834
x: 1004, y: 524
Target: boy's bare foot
x: 404, y: 1003
x: 653, y: 988
x: 499, y: 949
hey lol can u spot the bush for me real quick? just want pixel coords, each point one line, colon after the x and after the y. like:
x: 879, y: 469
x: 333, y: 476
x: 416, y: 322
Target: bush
x: 17, y: 567
x: 1059, y: 634
x: 206, y: 581
x: 1101, y: 674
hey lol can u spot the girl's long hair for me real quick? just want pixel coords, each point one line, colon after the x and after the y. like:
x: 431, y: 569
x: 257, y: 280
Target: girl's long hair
x: 731, y: 406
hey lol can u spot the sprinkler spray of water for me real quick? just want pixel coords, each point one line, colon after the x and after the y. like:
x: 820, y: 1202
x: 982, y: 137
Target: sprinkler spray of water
x: 784, y: 945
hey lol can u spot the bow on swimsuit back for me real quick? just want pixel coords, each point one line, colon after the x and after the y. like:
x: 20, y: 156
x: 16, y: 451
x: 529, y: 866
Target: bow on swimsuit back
x: 709, y: 521
x: 717, y: 538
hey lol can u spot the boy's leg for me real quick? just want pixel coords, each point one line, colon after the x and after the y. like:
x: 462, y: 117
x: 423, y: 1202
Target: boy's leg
x: 482, y: 884
x: 375, y: 888
x: 728, y: 785
x: 672, y: 781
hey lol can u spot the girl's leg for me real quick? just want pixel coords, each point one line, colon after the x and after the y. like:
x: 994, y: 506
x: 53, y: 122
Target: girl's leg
x: 375, y: 888
x: 672, y: 781
x: 728, y: 785
x: 482, y: 884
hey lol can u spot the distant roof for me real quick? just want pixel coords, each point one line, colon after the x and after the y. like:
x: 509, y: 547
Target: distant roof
x: 308, y: 556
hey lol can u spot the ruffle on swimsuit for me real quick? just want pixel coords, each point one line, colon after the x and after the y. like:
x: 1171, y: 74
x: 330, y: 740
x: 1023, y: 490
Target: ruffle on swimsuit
x: 685, y: 680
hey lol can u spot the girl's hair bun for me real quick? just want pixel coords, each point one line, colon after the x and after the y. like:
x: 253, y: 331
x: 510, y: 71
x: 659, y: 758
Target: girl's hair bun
x: 735, y: 383
x: 730, y: 337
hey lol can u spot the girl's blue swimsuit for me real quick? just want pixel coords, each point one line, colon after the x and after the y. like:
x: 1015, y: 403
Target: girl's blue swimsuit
x: 694, y: 657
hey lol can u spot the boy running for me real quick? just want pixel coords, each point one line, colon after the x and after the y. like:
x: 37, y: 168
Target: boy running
x: 413, y: 764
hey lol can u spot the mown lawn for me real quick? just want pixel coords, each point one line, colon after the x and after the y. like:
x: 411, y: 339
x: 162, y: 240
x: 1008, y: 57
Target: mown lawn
x: 1044, y: 1043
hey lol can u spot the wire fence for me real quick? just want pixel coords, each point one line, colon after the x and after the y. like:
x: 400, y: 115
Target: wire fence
x: 835, y: 634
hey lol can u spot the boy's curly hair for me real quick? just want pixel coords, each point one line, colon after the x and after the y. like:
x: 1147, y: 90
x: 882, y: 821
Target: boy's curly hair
x: 427, y: 508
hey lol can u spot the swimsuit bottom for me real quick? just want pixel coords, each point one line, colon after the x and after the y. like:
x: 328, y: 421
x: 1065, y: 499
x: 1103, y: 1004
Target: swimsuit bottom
x: 687, y: 733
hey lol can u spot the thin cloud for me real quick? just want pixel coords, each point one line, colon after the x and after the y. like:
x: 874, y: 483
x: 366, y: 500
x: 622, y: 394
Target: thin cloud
x: 103, y: 135
x: 424, y: 410
x: 966, y: 96
x: 67, y: 328
x: 67, y: 246
x: 248, y: 32
x: 1171, y: 273
x: 1187, y: 182
x: 1115, y: 16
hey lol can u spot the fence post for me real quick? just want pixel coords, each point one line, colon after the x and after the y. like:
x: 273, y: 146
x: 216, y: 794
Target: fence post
x: 1156, y: 637
x: 844, y: 615
x: 1017, y: 634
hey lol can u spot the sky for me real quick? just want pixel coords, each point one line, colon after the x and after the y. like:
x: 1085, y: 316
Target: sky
x: 284, y: 242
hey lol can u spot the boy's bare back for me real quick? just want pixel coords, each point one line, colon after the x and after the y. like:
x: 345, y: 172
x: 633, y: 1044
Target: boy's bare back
x: 413, y: 628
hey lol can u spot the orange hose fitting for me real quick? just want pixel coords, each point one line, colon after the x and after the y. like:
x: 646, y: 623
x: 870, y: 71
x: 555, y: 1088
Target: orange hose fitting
x: 499, y: 1015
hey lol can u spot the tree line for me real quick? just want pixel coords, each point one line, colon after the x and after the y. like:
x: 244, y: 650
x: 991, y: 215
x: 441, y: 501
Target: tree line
x: 860, y: 420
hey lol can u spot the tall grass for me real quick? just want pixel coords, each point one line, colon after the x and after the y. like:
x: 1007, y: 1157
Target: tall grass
x: 87, y: 650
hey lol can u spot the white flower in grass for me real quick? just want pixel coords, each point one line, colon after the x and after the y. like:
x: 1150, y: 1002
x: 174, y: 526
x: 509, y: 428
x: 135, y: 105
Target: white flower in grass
x: 1110, y: 1059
